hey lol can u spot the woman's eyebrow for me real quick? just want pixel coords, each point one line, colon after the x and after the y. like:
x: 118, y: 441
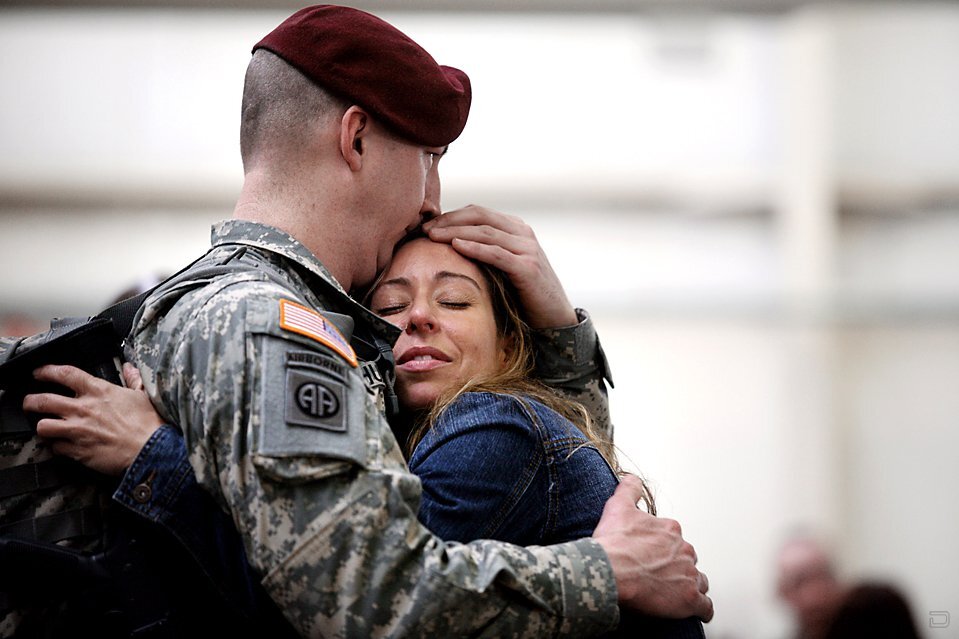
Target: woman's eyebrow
x: 441, y: 275
x: 395, y: 281
x: 451, y: 275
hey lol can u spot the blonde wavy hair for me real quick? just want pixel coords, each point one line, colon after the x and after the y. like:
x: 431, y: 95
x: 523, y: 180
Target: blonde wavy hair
x: 515, y: 376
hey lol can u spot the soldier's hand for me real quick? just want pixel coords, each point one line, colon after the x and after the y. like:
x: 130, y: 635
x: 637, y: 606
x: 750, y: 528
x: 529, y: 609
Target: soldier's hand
x: 510, y: 245
x: 655, y: 567
x: 103, y: 427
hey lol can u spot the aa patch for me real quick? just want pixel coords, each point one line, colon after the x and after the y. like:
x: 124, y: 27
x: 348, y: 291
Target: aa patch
x: 314, y: 395
x: 305, y: 321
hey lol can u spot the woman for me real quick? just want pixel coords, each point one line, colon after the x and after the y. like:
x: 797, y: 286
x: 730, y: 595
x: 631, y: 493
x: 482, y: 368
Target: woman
x: 499, y: 455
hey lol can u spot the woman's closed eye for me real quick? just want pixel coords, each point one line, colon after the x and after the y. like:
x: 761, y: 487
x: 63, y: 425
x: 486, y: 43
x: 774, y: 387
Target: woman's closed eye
x: 390, y: 308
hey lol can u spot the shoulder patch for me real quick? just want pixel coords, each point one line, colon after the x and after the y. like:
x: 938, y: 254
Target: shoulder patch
x: 299, y: 319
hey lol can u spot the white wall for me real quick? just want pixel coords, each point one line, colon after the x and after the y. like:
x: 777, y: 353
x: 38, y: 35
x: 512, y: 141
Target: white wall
x: 776, y: 362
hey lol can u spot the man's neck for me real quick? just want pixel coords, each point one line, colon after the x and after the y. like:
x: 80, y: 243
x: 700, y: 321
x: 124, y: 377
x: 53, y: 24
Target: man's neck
x: 315, y: 225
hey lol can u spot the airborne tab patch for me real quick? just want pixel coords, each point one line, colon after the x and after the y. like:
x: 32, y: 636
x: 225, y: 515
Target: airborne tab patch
x: 299, y: 319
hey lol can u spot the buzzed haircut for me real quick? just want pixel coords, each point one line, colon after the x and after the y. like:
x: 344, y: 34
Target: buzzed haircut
x: 279, y: 107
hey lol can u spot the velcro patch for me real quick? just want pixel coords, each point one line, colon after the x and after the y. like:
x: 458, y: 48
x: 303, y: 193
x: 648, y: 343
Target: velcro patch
x: 314, y: 400
x: 305, y: 321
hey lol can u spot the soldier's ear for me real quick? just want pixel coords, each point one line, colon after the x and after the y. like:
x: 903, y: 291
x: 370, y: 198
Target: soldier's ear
x: 354, y: 126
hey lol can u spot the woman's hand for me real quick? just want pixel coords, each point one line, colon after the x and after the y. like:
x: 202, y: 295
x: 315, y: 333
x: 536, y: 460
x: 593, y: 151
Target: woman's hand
x: 104, y: 426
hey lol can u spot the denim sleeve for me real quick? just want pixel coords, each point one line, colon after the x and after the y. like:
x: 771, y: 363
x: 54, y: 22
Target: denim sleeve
x: 477, y: 465
x: 160, y: 486
x: 158, y: 478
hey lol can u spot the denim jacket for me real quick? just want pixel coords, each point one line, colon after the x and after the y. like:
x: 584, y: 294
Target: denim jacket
x: 504, y: 467
x: 161, y: 486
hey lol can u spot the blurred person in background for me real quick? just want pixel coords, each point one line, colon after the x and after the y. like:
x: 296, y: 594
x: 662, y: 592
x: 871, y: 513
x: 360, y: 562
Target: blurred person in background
x: 19, y: 324
x: 873, y: 611
x: 827, y: 607
x: 807, y: 583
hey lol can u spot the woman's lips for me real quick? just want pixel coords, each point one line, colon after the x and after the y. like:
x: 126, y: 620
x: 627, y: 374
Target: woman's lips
x: 418, y: 359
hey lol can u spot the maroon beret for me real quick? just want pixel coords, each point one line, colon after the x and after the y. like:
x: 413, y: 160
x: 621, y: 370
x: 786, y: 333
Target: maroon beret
x: 362, y: 58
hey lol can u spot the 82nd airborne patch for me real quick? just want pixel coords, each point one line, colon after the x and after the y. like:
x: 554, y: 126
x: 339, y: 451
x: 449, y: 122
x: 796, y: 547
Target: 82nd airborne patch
x: 314, y: 391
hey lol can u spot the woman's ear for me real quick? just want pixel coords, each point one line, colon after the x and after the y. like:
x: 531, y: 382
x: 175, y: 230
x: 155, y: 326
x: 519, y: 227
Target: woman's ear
x: 354, y: 126
x: 507, y: 347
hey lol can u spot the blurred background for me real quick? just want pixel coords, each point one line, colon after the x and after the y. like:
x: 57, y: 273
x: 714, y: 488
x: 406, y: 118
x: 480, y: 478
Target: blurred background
x: 758, y: 202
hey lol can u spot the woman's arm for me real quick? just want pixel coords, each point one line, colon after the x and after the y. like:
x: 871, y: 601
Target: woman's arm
x: 160, y: 486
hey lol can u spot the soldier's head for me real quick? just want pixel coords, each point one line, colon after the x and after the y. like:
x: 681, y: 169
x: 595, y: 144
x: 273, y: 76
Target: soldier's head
x: 338, y: 101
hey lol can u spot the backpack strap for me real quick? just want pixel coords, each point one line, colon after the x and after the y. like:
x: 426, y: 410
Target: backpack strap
x: 67, y: 524
x: 28, y: 478
x: 123, y: 312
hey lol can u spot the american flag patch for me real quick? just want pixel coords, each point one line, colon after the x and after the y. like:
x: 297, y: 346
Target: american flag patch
x: 305, y: 321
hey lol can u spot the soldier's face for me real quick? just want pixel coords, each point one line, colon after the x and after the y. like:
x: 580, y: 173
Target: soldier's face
x: 442, y: 302
x: 407, y: 195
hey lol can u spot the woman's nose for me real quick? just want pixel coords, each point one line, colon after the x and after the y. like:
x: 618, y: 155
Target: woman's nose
x: 420, y: 319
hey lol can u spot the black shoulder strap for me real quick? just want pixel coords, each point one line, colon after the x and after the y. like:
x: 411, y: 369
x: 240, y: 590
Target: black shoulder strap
x: 123, y: 312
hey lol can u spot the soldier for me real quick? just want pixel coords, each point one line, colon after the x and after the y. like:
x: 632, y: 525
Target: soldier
x: 252, y: 352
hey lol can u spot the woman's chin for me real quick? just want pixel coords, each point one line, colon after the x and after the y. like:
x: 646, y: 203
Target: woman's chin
x: 419, y: 398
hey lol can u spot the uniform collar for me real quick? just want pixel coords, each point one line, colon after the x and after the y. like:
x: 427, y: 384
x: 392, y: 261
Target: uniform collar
x: 282, y: 243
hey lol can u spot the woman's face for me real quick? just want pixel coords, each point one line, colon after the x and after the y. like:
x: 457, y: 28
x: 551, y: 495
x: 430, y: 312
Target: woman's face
x: 442, y: 302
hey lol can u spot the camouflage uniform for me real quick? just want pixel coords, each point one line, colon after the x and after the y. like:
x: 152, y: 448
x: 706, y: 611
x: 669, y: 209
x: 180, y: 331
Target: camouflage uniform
x: 572, y: 362
x: 286, y: 435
